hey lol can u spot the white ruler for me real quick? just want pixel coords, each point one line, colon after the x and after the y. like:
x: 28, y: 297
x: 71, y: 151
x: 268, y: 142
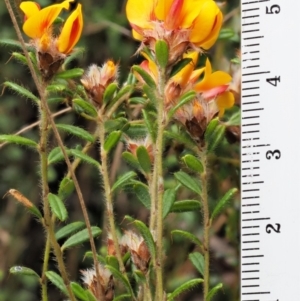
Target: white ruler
x: 270, y: 231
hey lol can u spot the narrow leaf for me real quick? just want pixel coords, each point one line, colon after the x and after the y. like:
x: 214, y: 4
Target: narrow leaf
x: 184, y: 99
x: 145, y: 232
x: 184, y: 287
x: 19, y: 57
x: 78, y: 291
x: 150, y: 124
x: 122, y: 297
x: 57, y: 206
x: 131, y: 160
x: 82, y: 106
x: 186, y: 206
x: 144, y: 159
x: 69, y: 229
x: 76, y: 131
x: 112, y: 261
x: 56, y: 155
x: 89, y: 254
x: 57, y: 281
x: 168, y: 200
x: 210, y: 128
x: 20, y: 270
x: 123, y: 93
x: 123, y: 180
x: 69, y: 74
x: 121, y: 278
x: 84, y: 157
x: 115, y: 124
x: 21, y: 91
x: 111, y: 141
x: 198, y: 261
x: 18, y: 140
x: 213, y: 291
x: 142, y: 192
x: 187, y: 181
x: 151, y: 94
x: 144, y: 75
x: 223, y: 202
x: 162, y: 53
x: 66, y: 187
x: 216, y: 137
x: 193, y: 163
x: 187, y: 235
x: 90, y: 296
x: 109, y: 93
x: 11, y: 43
x: 180, y: 138
x: 80, y: 237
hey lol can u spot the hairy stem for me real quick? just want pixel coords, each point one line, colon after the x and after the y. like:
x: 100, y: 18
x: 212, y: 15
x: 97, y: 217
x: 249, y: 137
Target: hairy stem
x: 206, y: 223
x: 158, y: 187
x: 58, y: 138
x: 45, y: 269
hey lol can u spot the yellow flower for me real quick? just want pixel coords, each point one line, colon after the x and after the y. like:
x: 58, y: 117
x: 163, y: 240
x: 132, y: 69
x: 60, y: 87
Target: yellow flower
x: 71, y: 31
x: 38, y: 25
x: 214, y: 85
x: 197, y: 21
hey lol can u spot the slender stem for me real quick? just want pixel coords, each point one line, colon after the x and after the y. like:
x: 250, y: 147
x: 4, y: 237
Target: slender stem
x: 45, y: 269
x: 206, y: 223
x: 158, y: 186
x: 58, y: 138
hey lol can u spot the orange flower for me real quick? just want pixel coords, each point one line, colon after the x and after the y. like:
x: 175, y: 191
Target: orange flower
x: 214, y: 85
x: 184, y: 21
x: 38, y: 26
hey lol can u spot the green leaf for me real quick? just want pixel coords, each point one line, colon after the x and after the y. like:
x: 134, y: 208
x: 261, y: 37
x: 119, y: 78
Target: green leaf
x: 78, y: 291
x: 131, y: 160
x: 57, y: 281
x: 136, y: 131
x: 184, y: 287
x: 57, y: 206
x: 187, y: 181
x: 56, y: 155
x: 122, y: 94
x: 84, y: 157
x: 18, y: 140
x: 150, y: 124
x: 193, y: 163
x: 142, y: 192
x: 66, y: 187
x: 112, y: 261
x: 90, y: 296
x: 69, y: 74
x: 89, y: 254
x: 115, y: 124
x: 20, y: 58
x: 180, y: 65
x: 213, y: 291
x: 180, y: 137
x: 168, y: 200
x: 75, y: 54
x: 10, y: 43
x: 223, y: 202
x: 69, y: 229
x: 80, y: 237
x: 198, y: 261
x: 122, y: 297
x: 226, y: 34
x: 235, y: 119
x: 144, y: 159
x: 150, y: 93
x: 111, y: 141
x: 140, y: 276
x: 76, y: 131
x: 21, y: 91
x: 186, y: 206
x: 216, y: 137
x: 20, y: 270
x: 145, y: 232
x: 162, y: 53
x: 211, y: 128
x: 185, y: 234
x: 109, y: 93
x: 82, y: 106
x: 184, y: 99
x: 145, y: 76
x: 121, y: 278
x: 123, y: 180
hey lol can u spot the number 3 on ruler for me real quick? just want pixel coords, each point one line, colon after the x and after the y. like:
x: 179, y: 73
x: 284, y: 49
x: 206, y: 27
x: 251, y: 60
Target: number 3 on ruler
x: 276, y: 154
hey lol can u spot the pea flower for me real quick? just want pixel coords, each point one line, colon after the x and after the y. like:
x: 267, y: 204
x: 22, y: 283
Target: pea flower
x: 38, y: 25
x: 182, y: 24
